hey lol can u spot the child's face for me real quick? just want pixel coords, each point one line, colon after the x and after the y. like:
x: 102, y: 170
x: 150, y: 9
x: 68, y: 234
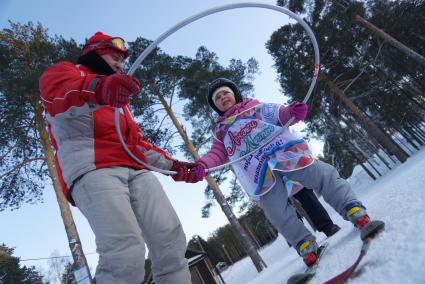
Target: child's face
x: 224, y: 100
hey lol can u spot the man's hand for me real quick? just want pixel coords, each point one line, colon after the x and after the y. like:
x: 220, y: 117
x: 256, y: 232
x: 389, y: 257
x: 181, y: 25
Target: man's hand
x: 115, y: 89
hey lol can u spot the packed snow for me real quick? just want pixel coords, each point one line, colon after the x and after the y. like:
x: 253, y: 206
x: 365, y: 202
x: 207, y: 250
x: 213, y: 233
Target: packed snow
x: 397, y: 255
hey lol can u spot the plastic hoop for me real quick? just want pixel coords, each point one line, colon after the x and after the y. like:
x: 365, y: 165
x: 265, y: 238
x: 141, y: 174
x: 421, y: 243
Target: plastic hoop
x: 198, y: 16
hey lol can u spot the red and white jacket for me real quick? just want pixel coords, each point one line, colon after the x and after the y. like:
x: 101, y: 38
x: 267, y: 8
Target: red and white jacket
x: 83, y: 132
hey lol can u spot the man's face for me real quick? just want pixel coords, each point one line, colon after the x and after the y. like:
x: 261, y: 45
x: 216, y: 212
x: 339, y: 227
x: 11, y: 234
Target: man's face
x: 115, y: 60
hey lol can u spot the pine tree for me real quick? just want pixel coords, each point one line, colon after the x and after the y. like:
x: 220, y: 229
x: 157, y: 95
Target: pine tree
x: 27, y: 159
x: 359, y: 87
x: 12, y: 272
x: 67, y: 275
x: 347, y: 9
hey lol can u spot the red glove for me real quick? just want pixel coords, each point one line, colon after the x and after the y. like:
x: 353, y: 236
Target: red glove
x: 298, y: 110
x: 115, y: 89
x: 187, y: 172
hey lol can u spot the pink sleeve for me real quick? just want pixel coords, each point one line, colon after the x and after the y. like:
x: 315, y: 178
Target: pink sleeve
x: 215, y: 157
x: 285, y: 115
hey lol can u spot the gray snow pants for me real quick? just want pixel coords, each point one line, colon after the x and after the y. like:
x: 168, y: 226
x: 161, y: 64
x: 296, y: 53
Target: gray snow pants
x: 126, y: 207
x: 325, y: 181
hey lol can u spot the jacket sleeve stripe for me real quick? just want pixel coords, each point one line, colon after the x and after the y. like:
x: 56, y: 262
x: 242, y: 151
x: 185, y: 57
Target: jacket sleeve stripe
x: 77, y: 93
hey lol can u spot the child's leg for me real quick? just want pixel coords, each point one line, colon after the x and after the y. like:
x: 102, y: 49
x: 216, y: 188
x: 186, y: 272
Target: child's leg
x: 325, y: 180
x: 282, y: 215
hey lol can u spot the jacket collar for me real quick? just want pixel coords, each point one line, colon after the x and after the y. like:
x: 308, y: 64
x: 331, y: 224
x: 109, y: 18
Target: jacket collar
x: 238, y: 108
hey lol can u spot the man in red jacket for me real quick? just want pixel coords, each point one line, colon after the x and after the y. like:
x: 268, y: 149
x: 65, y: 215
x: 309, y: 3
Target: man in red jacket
x: 121, y: 199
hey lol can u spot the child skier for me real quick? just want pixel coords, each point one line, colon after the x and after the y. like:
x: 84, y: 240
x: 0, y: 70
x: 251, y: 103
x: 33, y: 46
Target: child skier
x: 284, y: 163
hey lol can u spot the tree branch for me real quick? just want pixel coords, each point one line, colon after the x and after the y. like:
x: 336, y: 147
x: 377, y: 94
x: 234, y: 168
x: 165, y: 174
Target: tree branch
x: 20, y: 165
x: 363, y: 69
x: 8, y: 151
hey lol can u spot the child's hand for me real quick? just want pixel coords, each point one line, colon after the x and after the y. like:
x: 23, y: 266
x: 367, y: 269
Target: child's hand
x: 199, y: 171
x: 298, y: 110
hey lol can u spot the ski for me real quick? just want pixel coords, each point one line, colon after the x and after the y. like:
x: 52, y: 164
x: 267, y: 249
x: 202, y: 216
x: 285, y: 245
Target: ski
x: 305, y: 276
x: 343, y: 276
x: 367, y: 233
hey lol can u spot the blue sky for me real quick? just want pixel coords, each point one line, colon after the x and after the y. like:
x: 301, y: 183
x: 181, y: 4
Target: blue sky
x: 37, y: 230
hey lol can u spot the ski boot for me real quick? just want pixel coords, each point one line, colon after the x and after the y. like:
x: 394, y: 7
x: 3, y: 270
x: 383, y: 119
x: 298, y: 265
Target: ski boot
x: 308, y: 250
x: 356, y: 213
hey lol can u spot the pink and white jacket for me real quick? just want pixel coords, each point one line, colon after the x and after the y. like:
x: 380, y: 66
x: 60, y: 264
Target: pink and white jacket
x: 247, y: 126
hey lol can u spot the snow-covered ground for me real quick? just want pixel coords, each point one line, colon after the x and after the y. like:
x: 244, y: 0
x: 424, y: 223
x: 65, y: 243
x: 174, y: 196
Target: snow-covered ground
x: 397, y: 255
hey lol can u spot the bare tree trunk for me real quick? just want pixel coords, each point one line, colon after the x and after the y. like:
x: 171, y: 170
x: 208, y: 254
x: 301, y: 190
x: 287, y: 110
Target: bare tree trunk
x: 235, y: 225
x: 418, y: 132
x: 415, y: 135
x: 409, y: 138
x: 383, y: 160
x: 368, y: 143
x: 368, y: 124
x: 402, y: 142
x: 368, y: 171
x: 80, y: 262
x: 372, y: 166
x: 388, y: 154
x: 395, y: 43
x: 385, y: 76
x: 384, y: 36
x: 251, y: 234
